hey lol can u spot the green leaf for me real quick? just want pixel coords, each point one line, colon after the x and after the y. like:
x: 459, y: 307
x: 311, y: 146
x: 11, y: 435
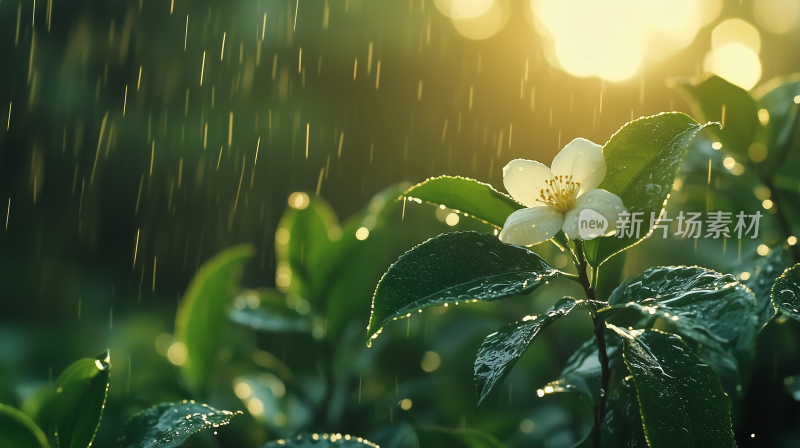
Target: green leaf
x: 268, y: 310
x: 706, y: 306
x: 472, y: 197
x: 455, y: 267
x: 277, y: 398
x: 436, y: 437
x: 168, y: 425
x: 777, y: 97
x: 740, y: 124
x: 622, y: 425
x: 303, y: 236
x: 19, y: 430
x: 321, y: 441
x: 582, y: 372
x: 643, y: 159
x: 763, y: 272
x: 786, y: 292
x: 681, y: 398
x: 354, y: 266
x: 79, y: 399
x: 500, y: 350
x: 203, y: 309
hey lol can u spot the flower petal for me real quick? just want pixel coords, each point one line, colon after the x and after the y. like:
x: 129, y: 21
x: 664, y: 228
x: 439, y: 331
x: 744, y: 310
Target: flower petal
x: 606, y: 204
x: 525, y: 179
x: 583, y: 160
x: 531, y: 226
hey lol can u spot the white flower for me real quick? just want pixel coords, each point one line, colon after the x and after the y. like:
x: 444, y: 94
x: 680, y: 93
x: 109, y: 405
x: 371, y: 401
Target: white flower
x: 556, y: 196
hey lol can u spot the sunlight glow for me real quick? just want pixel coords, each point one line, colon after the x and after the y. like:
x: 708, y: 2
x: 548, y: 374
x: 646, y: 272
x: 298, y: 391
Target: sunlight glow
x: 611, y: 39
x: 475, y: 19
x: 736, y: 63
x: 734, y: 56
x: 777, y: 16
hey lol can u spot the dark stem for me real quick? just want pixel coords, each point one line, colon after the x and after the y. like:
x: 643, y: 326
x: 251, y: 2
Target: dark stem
x: 599, y: 327
x: 786, y: 227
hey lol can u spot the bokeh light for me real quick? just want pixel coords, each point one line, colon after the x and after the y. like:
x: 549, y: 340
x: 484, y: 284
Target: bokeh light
x: 777, y: 16
x: 475, y: 19
x: 612, y: 39
x: 735, y: 45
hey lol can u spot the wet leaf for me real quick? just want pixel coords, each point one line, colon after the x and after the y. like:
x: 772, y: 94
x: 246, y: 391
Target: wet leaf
x: 452, y: 268
x: 78, y: 402
x: 786, y: 292
x: 321, y: 441
x: 622, y: 425
x: 740, y: 124
x: 777, y: 97
x: 353, y: 267
x: 268, y: 310
x: 582, y: 372
x: 681, y: 399
x: 501, y: 350
x: 168, y: 425
x: 303, y: 237
x: 437, y: 437
x: 706, y: 306
x: 643, y: 159
x: 19, y: 431
x: 763, y: 272
x: 203, y: 309
x: 472, y: 197
x: 469, y: 196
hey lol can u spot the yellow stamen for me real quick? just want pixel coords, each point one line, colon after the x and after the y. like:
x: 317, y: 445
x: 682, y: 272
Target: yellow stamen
x: 560, y: 193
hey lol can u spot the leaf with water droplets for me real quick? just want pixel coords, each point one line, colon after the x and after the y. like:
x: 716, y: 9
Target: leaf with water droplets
x: 708, y: 307
x: 763, y: 273
x: 622, y: 425
x: 354, y: 264
x: 582, y: 372
x: 202, y: 312
x: 642, y: 158
x: 466, y: 195
x: 74, y: 404
x: 681, y: 399
x: 321, y: 441
x: 436, y: 437
x: 19, y: 430
x: 472, y: 197
x: 500, y: 350
x: 452, y: 268
x: 168, y: 425
x: 786, y: 292
x: 740, y: 116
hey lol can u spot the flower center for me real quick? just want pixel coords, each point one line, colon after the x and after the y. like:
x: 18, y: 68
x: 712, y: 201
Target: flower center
x: 560, y: 193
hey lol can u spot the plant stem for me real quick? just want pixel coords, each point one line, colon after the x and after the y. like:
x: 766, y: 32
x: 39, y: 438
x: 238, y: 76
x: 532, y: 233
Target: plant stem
x: 599, y: 328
